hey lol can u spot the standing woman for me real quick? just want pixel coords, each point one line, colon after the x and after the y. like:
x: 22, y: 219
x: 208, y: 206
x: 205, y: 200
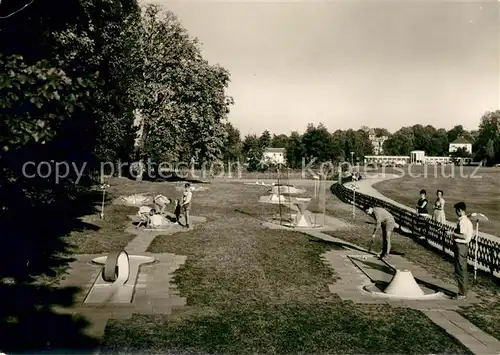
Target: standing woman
x: 422, y: 203
x: 439, y: 215
x: 422, y: 215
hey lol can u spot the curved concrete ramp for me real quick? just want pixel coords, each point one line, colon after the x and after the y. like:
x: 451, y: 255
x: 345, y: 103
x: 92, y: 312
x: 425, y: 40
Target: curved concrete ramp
x: 117, y: 267
x: 116, y: 283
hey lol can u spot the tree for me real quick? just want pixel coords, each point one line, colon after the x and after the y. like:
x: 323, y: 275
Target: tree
x: 381, y: 132
x: 295, y: 150
x: 232, y: 146
x: 401, y: 142
x: 279, y: 141
x: 62, y: 102
x: 339, y: 145
x: 253, y: 152
x: 455, y: 132
x: 317, y: 143
x: 490, y: 150
x: 489, y: 131
x: 184, y: 106
x: 265, y: 139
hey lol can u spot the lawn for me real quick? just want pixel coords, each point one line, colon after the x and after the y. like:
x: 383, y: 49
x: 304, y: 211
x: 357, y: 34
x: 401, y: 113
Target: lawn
x: 253, y: 290
x: 481, y: 193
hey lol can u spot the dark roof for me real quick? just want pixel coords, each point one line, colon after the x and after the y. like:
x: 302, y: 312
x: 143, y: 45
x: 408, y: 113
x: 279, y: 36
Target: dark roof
x: 274, y: 150
x: 461, y: 140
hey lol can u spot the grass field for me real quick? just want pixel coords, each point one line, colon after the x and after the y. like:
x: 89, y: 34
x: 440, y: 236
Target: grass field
x: 480, y: 191
x: 252, y: 290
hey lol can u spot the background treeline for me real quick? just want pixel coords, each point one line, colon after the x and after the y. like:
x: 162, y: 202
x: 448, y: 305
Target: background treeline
x: 317, y: 142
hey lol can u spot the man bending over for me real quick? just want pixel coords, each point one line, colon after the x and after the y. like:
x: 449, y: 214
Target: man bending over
x: 385, y: 220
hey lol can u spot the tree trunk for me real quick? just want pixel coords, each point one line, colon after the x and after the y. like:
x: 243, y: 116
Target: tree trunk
x: 139, y: 143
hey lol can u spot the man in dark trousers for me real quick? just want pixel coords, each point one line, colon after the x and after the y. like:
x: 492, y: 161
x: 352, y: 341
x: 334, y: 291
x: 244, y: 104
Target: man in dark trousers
x: 385, y: 220
x: 462, y: 234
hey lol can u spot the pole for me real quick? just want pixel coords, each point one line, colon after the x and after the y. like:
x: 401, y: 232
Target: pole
x: 323, y: 200
x: 279, y: 194
x: 289, y: 202
x: 353, y: 203
x: 102, y: 208
x: 475, y: 250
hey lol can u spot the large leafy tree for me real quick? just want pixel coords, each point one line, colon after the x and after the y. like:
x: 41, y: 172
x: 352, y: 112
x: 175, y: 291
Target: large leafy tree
x: 402, y: 142
x: 487, y: 143
x: 265, y: 139
x: 252, y: 151
x: 279, y: 141
x: 62, y: 101
x: 317, y: 143
x: 295, y: 150
x: 232, y: 150
x: 185, y: 108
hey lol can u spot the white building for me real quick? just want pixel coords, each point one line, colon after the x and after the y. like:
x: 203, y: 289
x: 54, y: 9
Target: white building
x: 416, y: 157
x: 377, y: 142
x: 387, y: 159
x: 460, y: 142
x: 274, y: 156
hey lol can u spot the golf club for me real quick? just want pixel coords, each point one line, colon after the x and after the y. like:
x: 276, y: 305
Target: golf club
x: 370, y: 246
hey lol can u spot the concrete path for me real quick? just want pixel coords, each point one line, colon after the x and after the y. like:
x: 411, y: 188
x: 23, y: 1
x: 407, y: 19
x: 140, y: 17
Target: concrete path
x: 155, y: 292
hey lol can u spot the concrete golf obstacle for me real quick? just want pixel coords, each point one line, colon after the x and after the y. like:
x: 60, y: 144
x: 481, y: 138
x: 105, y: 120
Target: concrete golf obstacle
x: 116, y: 282
x: 135, y: 199
x: 389, y: 282
x: 287, y: 189
x: 402, y: 286
x: 258, y: 183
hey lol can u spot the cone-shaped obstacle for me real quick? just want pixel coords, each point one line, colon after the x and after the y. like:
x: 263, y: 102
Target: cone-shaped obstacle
x: 403, y: 284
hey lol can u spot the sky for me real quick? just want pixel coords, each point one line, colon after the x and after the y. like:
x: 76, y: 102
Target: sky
x: 349, y: 64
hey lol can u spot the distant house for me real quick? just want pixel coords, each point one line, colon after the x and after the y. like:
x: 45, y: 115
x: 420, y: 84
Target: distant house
x: 460, y: 142
x: 274, y: 156
x: 377, y: 142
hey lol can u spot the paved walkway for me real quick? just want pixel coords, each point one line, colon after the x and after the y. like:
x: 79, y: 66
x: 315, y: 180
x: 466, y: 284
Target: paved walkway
x: 155, y: 292
x: 350, y: 281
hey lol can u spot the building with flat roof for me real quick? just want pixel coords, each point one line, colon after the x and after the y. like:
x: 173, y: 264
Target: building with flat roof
x: 416, y: 157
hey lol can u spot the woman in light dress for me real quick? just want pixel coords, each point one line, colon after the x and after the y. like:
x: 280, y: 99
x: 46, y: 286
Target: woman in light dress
x: 439, y: 215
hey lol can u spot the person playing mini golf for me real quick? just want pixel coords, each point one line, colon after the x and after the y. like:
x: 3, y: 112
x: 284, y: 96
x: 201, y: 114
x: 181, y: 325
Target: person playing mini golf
x: 386, y: 221
x: 186, y: 202
x: 462, y: 235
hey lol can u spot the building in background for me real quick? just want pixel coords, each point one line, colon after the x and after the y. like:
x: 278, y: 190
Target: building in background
x: 377, y: 142
x: 274, y: 156
x: 460, y: 143
x: 417, y: 157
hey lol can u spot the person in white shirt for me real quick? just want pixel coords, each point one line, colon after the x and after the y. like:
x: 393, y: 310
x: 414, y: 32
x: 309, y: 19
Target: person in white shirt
x: 463, y: 234
x: 186, y: 202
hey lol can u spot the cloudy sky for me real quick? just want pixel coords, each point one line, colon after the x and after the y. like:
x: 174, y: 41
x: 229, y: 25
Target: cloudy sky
x: 348, y: 64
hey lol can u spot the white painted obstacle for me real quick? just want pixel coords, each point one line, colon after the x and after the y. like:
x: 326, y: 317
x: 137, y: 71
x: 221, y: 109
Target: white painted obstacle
x: 135, y: 199
x: 116, y: 282
x: 403, y: 284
